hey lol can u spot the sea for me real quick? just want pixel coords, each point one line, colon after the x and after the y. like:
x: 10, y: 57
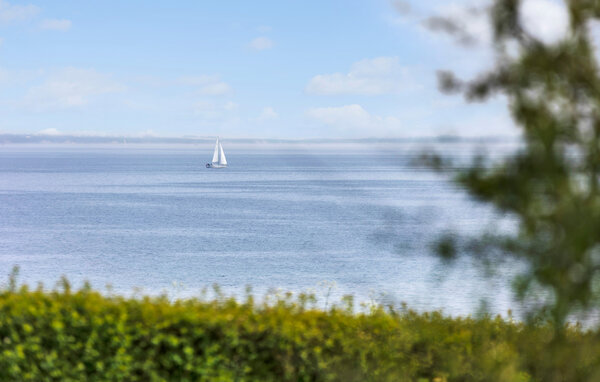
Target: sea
x: 327, y: 219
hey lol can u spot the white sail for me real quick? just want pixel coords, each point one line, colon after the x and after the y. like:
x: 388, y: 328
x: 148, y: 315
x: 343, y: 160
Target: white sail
x: 216, y: 154
x: 222, y: 159
x: 218, y: 159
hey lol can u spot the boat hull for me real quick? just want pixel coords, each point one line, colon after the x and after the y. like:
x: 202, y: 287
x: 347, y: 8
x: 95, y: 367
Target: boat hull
x: 210, y: 165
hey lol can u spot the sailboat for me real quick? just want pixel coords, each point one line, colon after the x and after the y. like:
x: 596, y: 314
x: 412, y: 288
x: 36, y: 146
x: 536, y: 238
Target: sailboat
x: 218, y: 160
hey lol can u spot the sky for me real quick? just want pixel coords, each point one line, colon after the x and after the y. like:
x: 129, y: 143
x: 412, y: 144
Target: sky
x: 257, y: 69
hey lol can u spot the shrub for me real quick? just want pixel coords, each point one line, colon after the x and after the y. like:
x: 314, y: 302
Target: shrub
x: 84, y: 335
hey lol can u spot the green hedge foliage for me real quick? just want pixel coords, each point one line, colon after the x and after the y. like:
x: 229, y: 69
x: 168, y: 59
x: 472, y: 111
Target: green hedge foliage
x: 88, y: 336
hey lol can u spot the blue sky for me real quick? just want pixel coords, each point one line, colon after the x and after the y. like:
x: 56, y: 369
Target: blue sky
x: 271, y: 69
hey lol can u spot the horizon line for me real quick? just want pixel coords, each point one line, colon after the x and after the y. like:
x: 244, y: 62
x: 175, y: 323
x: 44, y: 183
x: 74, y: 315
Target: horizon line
x: 190, y: 139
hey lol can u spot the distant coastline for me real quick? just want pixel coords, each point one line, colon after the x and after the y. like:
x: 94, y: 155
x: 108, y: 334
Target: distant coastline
x: 8, y: 138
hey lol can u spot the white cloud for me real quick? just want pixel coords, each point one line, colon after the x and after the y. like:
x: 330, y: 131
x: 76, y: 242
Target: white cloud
x: 10, y: 13
x: 468, y: 21
x: 546, y: 20
x: 354, y: 118
x: 51, y: 131
x: 197, y: 80
x: 210, y: 110
x: 207, y: 85
x: 268, y: 114
x: 381, y: 75
x: 229, y: 106
x: 69, y: 88
x: 56, y: 25
x: 260, y: 43
x: 347, y: 115
x: 217, y: 88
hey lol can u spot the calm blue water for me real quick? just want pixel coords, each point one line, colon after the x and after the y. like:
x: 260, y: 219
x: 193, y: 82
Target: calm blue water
x: 157, y: 220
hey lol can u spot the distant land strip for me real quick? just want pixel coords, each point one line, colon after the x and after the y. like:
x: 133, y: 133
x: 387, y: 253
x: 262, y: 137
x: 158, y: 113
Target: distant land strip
x: 150, y: 139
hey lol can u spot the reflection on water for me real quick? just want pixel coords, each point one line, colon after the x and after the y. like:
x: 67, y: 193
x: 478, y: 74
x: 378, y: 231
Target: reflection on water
x: 148, y: 218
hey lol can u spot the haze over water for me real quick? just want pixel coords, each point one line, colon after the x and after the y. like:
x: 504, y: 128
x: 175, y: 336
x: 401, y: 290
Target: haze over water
x: 156, y: 219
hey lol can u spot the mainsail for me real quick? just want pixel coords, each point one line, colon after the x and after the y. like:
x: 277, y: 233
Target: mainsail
x: 216, y: 154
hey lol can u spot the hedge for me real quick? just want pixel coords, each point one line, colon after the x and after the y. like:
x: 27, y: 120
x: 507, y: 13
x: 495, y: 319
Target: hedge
x: 65, y: 335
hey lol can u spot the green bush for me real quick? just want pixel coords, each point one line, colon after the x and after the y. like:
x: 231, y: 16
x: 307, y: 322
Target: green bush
x: 85, y: 335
